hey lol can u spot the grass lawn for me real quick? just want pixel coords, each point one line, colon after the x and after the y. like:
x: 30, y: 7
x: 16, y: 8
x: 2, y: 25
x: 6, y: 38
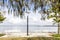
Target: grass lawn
x: 31, y: 38
x: 56, y: 35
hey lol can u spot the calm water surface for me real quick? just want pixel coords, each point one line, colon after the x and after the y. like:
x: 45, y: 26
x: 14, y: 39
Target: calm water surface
x: 32, y: 28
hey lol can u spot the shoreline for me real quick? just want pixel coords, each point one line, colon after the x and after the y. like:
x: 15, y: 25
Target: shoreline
x: 30, y: 35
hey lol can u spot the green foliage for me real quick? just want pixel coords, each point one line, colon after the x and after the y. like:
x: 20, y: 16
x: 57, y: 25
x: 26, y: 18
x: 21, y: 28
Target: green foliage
x: 56, y: 10
x: 56, y: 35
x: 2, y: 18
x: 2, y: 35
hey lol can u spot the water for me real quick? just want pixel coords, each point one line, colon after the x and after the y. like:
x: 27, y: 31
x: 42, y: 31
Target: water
x: 32, y: 28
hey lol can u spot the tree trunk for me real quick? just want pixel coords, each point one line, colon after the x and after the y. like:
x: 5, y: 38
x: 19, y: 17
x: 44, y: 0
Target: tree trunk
x: 59, y: 28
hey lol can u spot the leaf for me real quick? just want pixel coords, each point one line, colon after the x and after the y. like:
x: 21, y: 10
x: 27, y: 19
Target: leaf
x: 2, y: 18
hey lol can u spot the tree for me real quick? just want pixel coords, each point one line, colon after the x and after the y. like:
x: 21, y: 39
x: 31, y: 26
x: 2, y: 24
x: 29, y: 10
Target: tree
x: 40, y: 4
x: 17, y: 6
x: 56, y: 12
x: 2, y: 18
